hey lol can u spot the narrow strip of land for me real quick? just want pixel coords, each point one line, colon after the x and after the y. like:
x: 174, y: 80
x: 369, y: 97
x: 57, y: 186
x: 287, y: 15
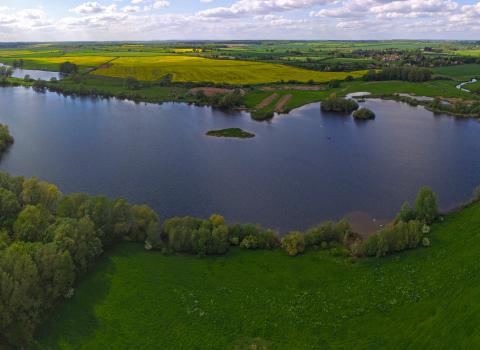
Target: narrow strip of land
x: 279, y: 107
x: 266, y: 102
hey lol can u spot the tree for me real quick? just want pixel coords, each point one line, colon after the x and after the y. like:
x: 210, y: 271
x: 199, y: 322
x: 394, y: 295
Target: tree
x: 145, y: 223
x: 68, y: 68
x: 40, y: 192
x: 406, y: 213
x: 9, y: 208
x: 293, y: 243
x: 426, y: 206
x: 31, y: 224
x: 78, y: 237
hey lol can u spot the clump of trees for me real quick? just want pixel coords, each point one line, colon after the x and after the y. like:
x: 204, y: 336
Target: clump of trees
x: 410, y: 230
x: 48, y: 240
x: 6, y: 140
x: 337, y: 104
x: 405, y: 73
x: 68, y: 68
x: 5, y: 73
x: 225, y: 102
x: 364, y: 114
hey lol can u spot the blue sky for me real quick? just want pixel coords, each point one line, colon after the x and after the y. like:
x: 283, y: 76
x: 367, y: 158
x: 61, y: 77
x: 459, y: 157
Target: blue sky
x: 41, y: 20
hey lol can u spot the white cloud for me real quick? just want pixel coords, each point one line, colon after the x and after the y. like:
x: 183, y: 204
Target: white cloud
x: 92, y: 7
x: 250, y: 7
x: 161, y: 4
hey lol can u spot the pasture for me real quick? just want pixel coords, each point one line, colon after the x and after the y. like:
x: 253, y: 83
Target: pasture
x: 197, y: 69
x: 426, y: 298
x: 461, y: 72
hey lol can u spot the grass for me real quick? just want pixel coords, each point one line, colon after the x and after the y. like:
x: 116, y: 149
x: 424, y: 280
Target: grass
x: 461, y: 73
x: 474, y: 87
x: 427, y: 298
x: 231, y: 132
x: 117, y: 87
x: 197, y: 69
x: 299, y: 98
x: 436, y: 88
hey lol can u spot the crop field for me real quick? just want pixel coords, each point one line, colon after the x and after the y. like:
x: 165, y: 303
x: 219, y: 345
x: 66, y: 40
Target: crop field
x: 196, y: 69
x: 29, y: 53
x: 461, y: 72
x: 475, y: 53
x: 422, y: 299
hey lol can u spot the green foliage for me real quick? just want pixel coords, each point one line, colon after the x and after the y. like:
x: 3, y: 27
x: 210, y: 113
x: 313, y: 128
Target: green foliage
x: 326, y: 233
x: 231, y: 132
x: 405, y: 73
x: 402, y: 236
x: 68, y: 68
x: 426, y: 206
x: 196, y: 236
x: 406, y: 213
x: 294, y: 243
x: 31, y: 224
x: 36, y: 192
x: 6, y: 140
x: 337, y: 104
x: 363, y: 114
x: 54, y: 240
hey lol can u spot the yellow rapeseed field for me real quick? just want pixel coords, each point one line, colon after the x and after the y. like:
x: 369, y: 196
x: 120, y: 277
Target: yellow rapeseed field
x: 198, y: 69
x: 21, y: 53
x: 85, y: 61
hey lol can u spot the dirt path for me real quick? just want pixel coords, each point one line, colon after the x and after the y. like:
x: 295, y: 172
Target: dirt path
x: 282, y: 102
x: 267, y: 101
x: 210, y: 91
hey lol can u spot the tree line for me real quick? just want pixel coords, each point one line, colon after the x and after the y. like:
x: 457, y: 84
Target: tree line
x: 49, y: 240
x: 404, y: 73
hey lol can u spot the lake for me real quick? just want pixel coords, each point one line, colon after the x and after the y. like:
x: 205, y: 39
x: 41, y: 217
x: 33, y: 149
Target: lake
x: 34, y: 74
x: 300, y: 169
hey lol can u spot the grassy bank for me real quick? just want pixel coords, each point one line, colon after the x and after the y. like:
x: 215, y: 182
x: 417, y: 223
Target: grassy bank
x: 427, y: 298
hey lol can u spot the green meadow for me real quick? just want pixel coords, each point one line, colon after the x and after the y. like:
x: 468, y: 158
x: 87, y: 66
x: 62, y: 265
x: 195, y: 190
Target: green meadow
x: 422, y: 299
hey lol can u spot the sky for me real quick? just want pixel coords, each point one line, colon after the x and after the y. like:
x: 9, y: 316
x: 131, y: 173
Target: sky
x: 72, y: 20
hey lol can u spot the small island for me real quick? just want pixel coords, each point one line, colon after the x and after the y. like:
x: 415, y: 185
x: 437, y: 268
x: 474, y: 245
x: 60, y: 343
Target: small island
x: 231, y: 132
x: 336, y: 104
x: 363, y: 114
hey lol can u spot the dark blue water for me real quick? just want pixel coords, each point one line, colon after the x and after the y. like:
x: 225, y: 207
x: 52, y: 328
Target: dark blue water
x: 301, y: 169
x: 34, y: 74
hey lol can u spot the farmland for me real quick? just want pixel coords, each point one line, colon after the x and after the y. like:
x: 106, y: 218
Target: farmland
x: 196, y: 69
x: 265, y: 299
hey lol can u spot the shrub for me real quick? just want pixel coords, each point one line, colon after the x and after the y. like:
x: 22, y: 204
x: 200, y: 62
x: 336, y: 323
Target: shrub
x: 426, y: 206
x: 406, y: 213
x: 293, y: 243
x: 249, y: 242
x: 363, y: 114
x: 336, y: 104
x: 327, y: 232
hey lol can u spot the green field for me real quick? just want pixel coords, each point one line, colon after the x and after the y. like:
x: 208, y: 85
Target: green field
x: 197, y: 69
x: 422, y: 299
x: 462, y: 72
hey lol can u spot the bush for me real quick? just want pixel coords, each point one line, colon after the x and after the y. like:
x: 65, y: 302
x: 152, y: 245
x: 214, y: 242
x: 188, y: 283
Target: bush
x: 363, y: 114
x: 293, y: 243
x: 327, y: 232
x: 68, y: 68
x: 402, y: 236
x: 426, y: 207
x: 336, y: 104
x: 196, y: 236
